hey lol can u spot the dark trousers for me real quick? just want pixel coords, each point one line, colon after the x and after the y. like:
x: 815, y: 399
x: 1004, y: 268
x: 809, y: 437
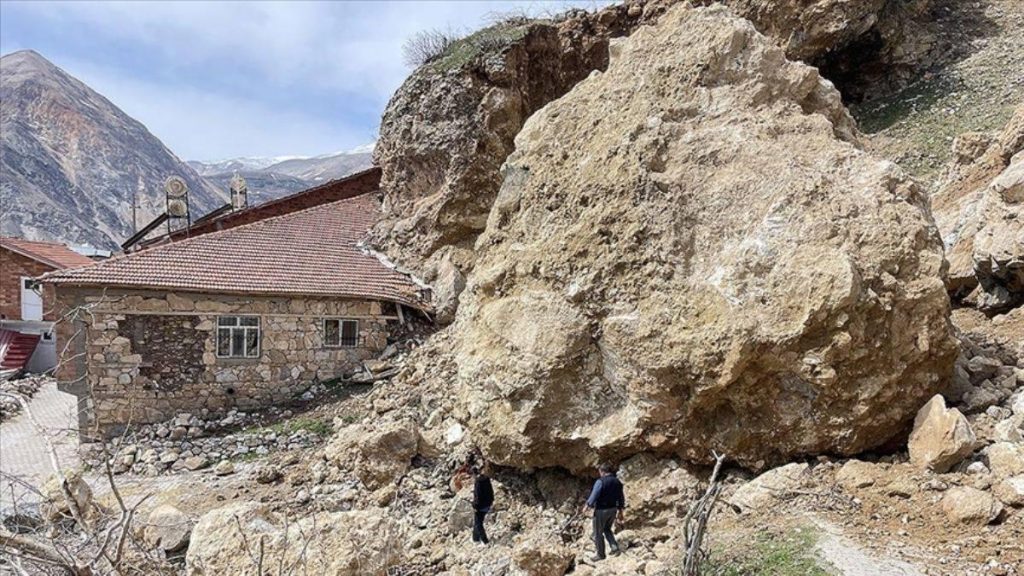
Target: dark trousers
x: 479, y: 534
x: 603, y: 521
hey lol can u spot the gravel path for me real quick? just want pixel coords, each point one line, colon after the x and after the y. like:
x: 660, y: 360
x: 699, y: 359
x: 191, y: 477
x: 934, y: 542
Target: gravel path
x: 23, y: 453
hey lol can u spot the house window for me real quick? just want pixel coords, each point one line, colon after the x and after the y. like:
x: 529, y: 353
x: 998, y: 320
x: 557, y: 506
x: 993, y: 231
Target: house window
x: 238, y: 337
x: 341, y: 333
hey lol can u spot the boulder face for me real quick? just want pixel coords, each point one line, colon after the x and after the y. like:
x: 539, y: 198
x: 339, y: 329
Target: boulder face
x: 690, y: 252
x: 978, y: 207
x: 447, y: 130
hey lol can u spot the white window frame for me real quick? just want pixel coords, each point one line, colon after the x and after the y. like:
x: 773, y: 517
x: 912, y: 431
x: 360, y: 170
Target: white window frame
x: 341, y: 343
x: 238, y: 330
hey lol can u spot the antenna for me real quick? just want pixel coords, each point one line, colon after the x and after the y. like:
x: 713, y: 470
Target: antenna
x: 239, y: 192
x: 177, y: 204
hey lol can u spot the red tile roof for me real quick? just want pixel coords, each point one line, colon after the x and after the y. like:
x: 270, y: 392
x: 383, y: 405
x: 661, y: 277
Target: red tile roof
x: 313, y: 252
x: 52, y: 254
x: 347, y: 187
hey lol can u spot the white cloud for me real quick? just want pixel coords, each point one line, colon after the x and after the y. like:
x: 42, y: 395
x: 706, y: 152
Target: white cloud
x: 214, y: 70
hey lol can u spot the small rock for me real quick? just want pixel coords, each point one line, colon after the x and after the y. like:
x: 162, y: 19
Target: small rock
x: 455, y: 434
x: 167, y: 528
x: 196, y: 462
x: 977, y: 468
x: 223, y: 468
x: 169, y: 458
x: 268, y: 474
x: 1007, y: 431
x: 179, y: 432
x: 1005, y: 459
x: 970, y: 506
x: 762, y: 491
x: 856, y: 474
x: 942, y: 437
x: 1011, y: 491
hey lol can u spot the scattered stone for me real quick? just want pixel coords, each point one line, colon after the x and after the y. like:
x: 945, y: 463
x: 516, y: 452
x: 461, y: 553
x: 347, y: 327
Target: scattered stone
x: 268, y: 474
x: 977, y: 468
x: 56, y: 507
x: 761, y: 492
x: 856, y: 474
x: 167, y: 528
x: 1005, y: 459
x: 970, y: 506
x: 942, y: 437
x: 1011, y: 491
x: 196, y: 462
x: 542, y: 557
x: 223, y: 468
x: 455, y: 434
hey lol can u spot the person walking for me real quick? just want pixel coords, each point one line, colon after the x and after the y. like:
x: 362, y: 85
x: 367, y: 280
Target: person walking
x: 608, y: 501
x: 483, y: 499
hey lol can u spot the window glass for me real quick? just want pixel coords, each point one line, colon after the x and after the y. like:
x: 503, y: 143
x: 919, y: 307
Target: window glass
x: 224, y: 342
x: 238, y: 336
x: 252, y: 343
x: 332, y: 334
x: 349, y: 333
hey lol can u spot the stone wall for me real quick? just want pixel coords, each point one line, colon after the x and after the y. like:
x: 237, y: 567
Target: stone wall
x: 143, y: 357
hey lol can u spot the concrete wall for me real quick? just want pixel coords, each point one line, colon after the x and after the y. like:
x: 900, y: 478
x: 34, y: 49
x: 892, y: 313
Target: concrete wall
x: 143, y: 357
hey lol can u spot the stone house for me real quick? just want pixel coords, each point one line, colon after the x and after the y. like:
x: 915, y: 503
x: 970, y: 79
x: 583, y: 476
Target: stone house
x: 238, y: 318
x: 26, y: 310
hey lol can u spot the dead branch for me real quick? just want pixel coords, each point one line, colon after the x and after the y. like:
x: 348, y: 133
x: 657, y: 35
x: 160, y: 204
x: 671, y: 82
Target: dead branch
x: 695, y: 524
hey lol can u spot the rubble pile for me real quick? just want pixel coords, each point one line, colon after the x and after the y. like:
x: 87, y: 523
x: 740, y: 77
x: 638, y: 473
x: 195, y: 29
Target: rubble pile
x: 25, y: 387
x: 188, y: 442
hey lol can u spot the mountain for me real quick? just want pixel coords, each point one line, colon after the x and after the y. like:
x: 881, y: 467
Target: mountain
x: 270, y: 178
x: 71, y: 160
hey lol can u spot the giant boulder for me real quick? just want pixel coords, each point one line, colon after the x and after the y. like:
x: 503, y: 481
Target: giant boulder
x: 690, y: 252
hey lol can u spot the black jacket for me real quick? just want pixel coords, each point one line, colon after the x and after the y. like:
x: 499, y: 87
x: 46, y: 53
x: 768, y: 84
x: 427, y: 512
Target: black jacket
x: 483, y: 493
x: 607, y: 493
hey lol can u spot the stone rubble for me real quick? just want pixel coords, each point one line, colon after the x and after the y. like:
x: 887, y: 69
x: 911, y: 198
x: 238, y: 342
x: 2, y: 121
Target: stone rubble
x: 189, y: 442
x: 25, y: 387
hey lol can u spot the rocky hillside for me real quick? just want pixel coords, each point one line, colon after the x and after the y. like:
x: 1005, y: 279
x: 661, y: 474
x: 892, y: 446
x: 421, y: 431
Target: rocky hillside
x: 271, y: 178
x: 71, y: 160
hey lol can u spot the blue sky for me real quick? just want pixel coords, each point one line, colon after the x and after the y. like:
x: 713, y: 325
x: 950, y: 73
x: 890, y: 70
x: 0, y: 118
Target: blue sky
x: 215, y: 80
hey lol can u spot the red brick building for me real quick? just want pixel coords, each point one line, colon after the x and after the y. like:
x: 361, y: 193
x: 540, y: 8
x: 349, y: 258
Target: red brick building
x: 20, y: 262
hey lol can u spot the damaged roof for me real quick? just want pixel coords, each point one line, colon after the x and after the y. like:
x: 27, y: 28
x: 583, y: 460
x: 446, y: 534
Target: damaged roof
x: 52, y: 254
x: 312, y: 252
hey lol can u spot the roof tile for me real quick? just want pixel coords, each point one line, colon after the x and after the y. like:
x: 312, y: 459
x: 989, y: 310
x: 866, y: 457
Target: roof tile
x: 312, y: 252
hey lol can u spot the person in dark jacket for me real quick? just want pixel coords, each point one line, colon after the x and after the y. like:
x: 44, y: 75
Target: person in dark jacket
x: 483, y: 499
x: 608, y: 502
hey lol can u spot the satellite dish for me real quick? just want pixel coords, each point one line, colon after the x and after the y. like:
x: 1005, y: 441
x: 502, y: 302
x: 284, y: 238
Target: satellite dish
x: 177, y: 208
x: 175, y: 187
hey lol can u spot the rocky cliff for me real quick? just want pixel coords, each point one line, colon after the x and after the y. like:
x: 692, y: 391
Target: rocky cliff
x: 71, y: 160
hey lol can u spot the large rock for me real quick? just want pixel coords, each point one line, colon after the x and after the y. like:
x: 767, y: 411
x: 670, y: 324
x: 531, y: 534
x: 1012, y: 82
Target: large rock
x: 167, y: 528
x: 942, y: 437
x: 968, y: 505
x: 448, y: 129
x: 978, y: 207
x: 356, y: 543
x: 378, y: 454
x: 690, y: 252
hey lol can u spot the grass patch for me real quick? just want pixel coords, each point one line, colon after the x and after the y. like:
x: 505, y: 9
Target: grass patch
x: 317, y: 426
x: 489, y: 40
x: 789, y: 554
